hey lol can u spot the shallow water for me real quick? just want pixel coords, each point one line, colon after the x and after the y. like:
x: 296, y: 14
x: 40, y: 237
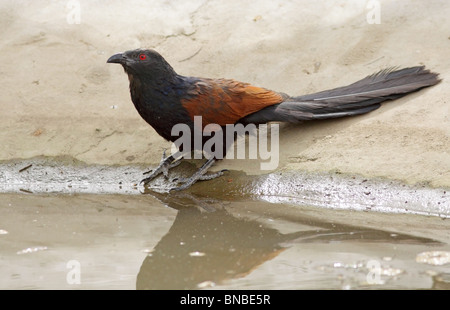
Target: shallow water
x: 87, y: 231
x: 160, y: 241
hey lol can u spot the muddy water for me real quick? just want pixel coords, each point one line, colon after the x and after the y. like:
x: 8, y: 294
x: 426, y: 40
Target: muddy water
x: 76, y: 227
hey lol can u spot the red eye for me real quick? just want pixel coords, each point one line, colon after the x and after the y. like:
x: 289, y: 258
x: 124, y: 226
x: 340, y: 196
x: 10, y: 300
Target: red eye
x: 142, y: 57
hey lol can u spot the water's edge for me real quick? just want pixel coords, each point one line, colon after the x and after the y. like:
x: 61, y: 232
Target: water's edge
x: 64, y: 175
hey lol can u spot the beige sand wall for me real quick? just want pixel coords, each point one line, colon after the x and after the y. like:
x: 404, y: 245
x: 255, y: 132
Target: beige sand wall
x: 59, y: 97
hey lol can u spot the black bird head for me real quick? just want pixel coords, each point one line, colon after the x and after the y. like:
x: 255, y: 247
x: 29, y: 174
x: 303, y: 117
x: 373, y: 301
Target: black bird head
x: 143, y: 63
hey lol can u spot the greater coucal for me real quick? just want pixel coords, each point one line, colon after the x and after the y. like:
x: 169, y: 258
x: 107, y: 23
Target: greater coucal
x: 164, y: 99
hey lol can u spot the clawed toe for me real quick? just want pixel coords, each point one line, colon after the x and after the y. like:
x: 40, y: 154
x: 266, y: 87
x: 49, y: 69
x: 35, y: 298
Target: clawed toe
x: 170, y: 162
x: 145, y: 181
x: 199, y: 175
x: 165, y: 164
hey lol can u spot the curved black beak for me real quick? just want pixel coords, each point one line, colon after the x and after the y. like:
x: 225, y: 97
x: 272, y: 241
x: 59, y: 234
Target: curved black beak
x: 117, y: 58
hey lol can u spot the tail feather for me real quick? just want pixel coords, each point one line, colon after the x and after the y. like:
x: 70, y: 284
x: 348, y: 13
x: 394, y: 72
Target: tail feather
x: 358, y: 98
x: 384, y: 83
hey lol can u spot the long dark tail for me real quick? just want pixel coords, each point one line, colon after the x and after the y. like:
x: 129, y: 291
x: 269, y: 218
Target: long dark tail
x: 358, y: 98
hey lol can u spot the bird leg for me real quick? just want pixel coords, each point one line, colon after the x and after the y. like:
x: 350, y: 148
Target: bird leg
x: 165, y: 165
x: 199, y: 175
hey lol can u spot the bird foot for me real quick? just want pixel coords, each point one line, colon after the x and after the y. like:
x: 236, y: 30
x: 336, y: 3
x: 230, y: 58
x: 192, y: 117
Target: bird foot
x: 199, y: 175
x: 165, y: 165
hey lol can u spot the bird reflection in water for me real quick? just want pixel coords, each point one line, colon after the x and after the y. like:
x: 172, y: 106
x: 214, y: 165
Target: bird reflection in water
x: 207, y: 245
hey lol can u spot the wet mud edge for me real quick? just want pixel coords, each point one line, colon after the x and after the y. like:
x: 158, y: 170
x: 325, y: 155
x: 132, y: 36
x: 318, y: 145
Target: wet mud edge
x: 335, y: 190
